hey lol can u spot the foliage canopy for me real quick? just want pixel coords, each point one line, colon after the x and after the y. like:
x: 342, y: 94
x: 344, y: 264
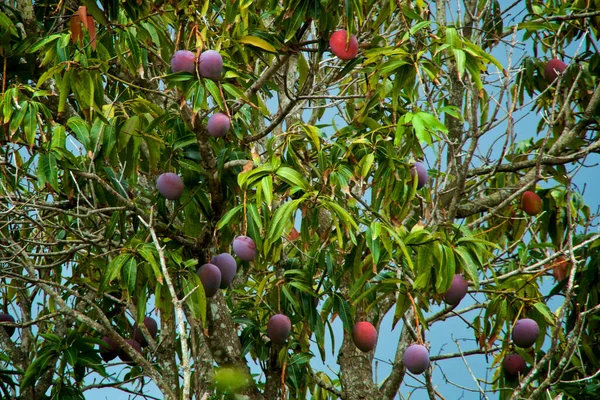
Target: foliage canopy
x: 316, y: 169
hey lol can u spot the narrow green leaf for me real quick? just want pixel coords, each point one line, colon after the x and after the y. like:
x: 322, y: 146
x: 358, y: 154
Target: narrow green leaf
x: 17, y: 117
x: 402, y: 305
x: 267, y: 190
x: 227, y: 217
x: 214, y: 91
x: 80, y: 128
x: 258, y: 42
x: 365, y: 164
x: 42, y: 170
x: 254, y: 216
x: 129, y: 275
x: 292, y: 177
x: 402, y: 246
x: 545, y: 311
x: 36, y: 368
x: 342, y: 307
x: 142, y: 303
x: 30, y: 124
x: 71, y: 355
x: 314, y: 135
x: 303, y: 69
x: 247, y: 179
x: 196, y: 301
x: 452, y: 37
x: 465, y: 261
x: 59, y: 137
x: 6, y: 23
x: 50, y: 72
x: 285, y: 290
x: 114, y: 268
x: 148, y: 255
x: 459, y: 57
x: 424, y: 267
x: 341, y: 213
x: 281, y: 218
x: 96, y: 134
x: 420, y: 131
x: 418, y: 26
x: 52, y: 170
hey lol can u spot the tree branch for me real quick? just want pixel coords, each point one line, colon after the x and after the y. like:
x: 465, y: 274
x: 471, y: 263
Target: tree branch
x: 185, y: 354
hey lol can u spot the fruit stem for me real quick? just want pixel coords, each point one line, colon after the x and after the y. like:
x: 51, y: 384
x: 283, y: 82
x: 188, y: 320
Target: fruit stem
x: 244, y: 221
x: 412, y: 301
x: 278, y: 284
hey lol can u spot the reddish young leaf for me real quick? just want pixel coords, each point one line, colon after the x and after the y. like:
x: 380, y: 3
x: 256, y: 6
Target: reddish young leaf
x: 92, y: 28
x: 82, y: 12
x: 76, y: 33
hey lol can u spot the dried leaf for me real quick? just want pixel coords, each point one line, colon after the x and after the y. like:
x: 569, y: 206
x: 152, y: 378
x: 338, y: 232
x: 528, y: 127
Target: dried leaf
x: 294, y: 234
x: 247, y: 167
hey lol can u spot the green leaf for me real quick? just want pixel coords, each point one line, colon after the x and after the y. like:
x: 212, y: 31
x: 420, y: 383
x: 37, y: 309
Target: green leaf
x: 292, y: 177
x: 30, y: 124
x: 418, y: 237
x: 42, y: 170
x: 432, y: 123
x: 41, y: 43
x: 129, y: 275
x: 196, y: 299
x: 291, y: 298
x: 342, y: 307
x: 452, y: 37
x: 258, y: 42
x: 465, y: 261
x: 17, y: 117
x: 402, y: 246
x: 7, y: 25
x: 341, y: 213
x: 234, y: 91
x: 147, y: 254
x: 71, y: 355
x: 314, y: 134
x: 424, y: 267
x: 266, y: 184
x: 447, y: 267
x: 418, y: 26
x: 59, y: 137
x: 114, y: 268
x: 38, y: 366
x: 459, y: 57
x: 303, y: 69
x: 546, y: 313
x: 247, y: 179
x: 365, y: 164
x: 80, y: 128
x: 142, y: 303
x: 281, y: 218
x: 254, y: 216
x: 96, y: 134
x: 227, y: 217
x: 50, y: 72
x: 419, y: 126
x: 402, y: 305
x: 214, y: 91
x: 297, y: 18
x: 51, y: 169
